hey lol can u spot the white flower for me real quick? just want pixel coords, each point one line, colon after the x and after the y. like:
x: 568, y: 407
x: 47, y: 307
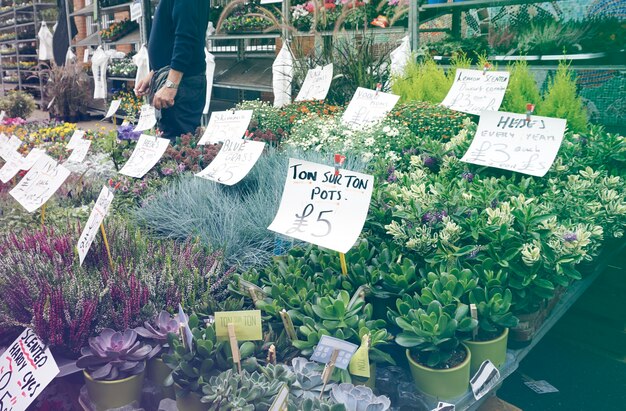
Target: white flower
x: 367, y: 156
x: 386, y: 129
x: 369, y: 141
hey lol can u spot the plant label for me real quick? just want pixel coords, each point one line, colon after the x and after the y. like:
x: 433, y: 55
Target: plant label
x: 16, y: 163
x: 281, y: 400
x: 234, y: 161
x: 86, y: 55
x: 3, y: 114
x: 147, y: 153
x: 32, y: 158
x: 444, y: 406
x: 79, y: 152
x: 185, y: 331
x: 474, y: 91
x: 136, y: 12
x: 509, y: 142
x: 98, y: 213
x: 115, y: 105
x: 247, y: 324
x: 485, y: 379
x: 147, y: 118
x: 323, y: 208
x: 325, y: 347
x: 226, y: 125
x: 360, y: 362
x: 316, y: 83
x: 40, y: 183
x: 26, y: 368
x: 541, y: 387
x: 9, y: 147
x: 368, y: 106
x: 75, y: 140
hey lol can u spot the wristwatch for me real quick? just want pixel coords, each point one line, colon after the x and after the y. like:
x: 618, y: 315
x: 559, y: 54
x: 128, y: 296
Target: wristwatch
x: 170, y: 84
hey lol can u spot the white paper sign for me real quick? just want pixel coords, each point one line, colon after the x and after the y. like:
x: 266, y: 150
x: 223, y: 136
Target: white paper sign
x: 485, y: 379
x: 26, y: 368
x: 148, y: 152
x: 147, y: 118
x: 136, y: 11
x: 226, y: 125
x: 115, y: 105
x: 9, y: 147
x: 325, y: 347
x: 40, y: 183
x: 368, y: 106
x: 32, y: 158
x: 474, y: 91
x: 234, y: 161
x: 3, y: 114
x: 322, y: 208
x: 80, y: 152
x: 316, y: 84
x: 11, y: 167
x: 77, y: 137
x: 86, y: 55
x: 507, y: 141
x: 99, y: 212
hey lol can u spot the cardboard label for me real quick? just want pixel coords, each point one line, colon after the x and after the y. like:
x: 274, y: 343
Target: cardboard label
x: 75, y: 140
x: 26, y: 368
x: 99, y: 212
x: 316, y: 84
x: 474, y: 91
x: 324, y: 351
x: 226, y: 125
x: 79, y: 152
x: 115, y: 105
x: 234, y: 161
x: 40, y: 183
x: 147, y: 153
x: 368, y: 106
x: 323, y: 208
x: 147, y: 118
x: 281, y: 400
x: 247, y: 324
x: 507, y: 141
x: 485, y: 379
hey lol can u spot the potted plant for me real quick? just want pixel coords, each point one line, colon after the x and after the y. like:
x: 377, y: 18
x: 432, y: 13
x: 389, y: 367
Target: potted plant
x: 113, y: 365
x: 67, y: 89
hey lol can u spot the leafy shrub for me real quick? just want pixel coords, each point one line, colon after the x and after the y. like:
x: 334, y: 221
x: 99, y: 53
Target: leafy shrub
x: 18, y: 104
x: 422, y: 81
x: 428, y: 120
x: 522, y: 89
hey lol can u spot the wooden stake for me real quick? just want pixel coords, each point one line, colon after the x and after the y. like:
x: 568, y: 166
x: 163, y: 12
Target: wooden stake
x: 234, y: 347
x: 474, y: 314
x: 328, y: 370
x: 106, y: 245
x: 344, y: 264
x: 289, y: 328
x: 43, y: 215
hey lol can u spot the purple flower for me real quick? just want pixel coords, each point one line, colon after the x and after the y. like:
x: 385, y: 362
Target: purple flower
x: 430, y: 162
x: 167, y: 171
x: 181, y: 167
x: 570, y: 237
x: 127, y: 132
x: 391, y: 174
x: 433, y: 217
x: 469, y: 177
x: 494, y: 203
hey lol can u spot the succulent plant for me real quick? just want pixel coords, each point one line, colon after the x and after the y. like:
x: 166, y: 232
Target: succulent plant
x: 309, y: 381
x: 158, y: 334
x: 359, y: 398
x: 494, y: 311
x: 114, y: 355
x: 315, y: 404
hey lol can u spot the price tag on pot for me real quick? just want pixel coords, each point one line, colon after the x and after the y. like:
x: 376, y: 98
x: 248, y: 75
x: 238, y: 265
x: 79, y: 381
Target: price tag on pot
x: 99, y: 211
x: 325, y: 347
x: 75, y: 140
x: 316, y: 84
x: 226, y: 125
x: 280, y: 401
x: 115, y: 105
x: 247, y: 324
x: 234, y: 161
x: 368, y: 106
x: 509, y: 142
x: 40, y: 183
x: 147, y: 153
x: 485, y: 379
x: 444, y: 406
x: 147, y: 118
x: 474, y: 91
x: 26, y: 368
x: 79, y: 152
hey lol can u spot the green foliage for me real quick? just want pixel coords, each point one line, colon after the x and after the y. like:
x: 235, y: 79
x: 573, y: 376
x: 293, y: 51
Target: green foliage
x: 422, y: 81
x: 494, y: 309
x: 18, y: 104
x: 522, y: 89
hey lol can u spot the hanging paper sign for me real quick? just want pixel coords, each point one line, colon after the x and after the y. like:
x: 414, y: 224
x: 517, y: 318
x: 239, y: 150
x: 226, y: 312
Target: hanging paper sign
x: 485, y: 379
x: 136, y: 12
x: 226, y: 125
x: 316, y: 83
x: 115, y: 105
x: 444, y: 406
x: 26, y: 368
x: 80, y: 152
x: 281, y: 400
x: 508, y: 141
x: 39, y: 184
x: 323, y: 208
x: 147, y: 153
x: 77, y: 137
x: 147, y: 118
x: 99, y: 212
x: 247, y: 324
x: 9, y: 147
x: 11, y: 167
x: 325, y: 347
x: 368, y: 106
x: 234, y: 161
x: 474, y: 91
x: 32, y: 158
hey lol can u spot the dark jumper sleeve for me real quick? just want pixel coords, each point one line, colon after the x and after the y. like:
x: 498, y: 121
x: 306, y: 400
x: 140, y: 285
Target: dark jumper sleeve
x: 187, y: 33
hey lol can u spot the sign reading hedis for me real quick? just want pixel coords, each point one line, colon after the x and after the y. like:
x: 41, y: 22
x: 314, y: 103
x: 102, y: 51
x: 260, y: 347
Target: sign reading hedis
x: 226, y: 125
x: 368, y: 106
x: 323, y: 208
x: 508, y: 141
x: 316, y: 84
x: 40, y: 183
x: 234, y: 161
x: 26, y: 368
x: 147, y: 118
x: 100, y: 210
x: 147, y: 153
x: 474, y: 91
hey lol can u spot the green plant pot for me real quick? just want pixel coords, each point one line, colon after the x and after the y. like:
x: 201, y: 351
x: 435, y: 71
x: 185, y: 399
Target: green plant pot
x: 189, y: 401
x: 442, y: 384
x: 114, y: 394
x: 157, y: 372
x: 493, y: 350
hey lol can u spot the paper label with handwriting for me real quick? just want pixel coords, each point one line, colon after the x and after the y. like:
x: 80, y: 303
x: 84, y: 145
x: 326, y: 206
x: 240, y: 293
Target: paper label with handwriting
x: 32, y: 158
x: 485, y: 379
x: 234, y: 161
x: 247, y: 324
x: 98, y: 213
x: 77, y: 137
x: 147, y: 118
x: 226, y: 125
x: 507, y: 141
x: 323, y: 208
x: 368, y: 107
x: 325, y: 347
x: 79, y: 152
x: 26, y: 368
x: 11, y: 167
x: 9, y: 147
x: 474, y: 91
x: 115, y: 105
x: 147, y: 153
x: 316, y: 83
x: 40, y: 183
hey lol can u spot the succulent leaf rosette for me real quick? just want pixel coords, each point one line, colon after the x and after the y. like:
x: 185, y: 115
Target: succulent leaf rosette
x: 158, y: 334
x: 359, y: 398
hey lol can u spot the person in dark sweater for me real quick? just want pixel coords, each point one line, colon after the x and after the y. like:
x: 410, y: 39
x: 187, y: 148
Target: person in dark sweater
x: 176, y: 83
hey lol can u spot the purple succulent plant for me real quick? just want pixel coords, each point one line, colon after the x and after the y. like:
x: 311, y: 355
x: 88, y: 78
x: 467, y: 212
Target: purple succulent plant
x: 164, y: 325
x: 114, y: 355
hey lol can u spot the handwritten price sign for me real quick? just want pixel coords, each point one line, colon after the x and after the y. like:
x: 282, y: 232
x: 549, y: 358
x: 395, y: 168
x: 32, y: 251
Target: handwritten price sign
x: 316, y: 84
x: 226, y: 125
x: 100, y: 210
x: 147, y: 118
x: 509, y: 142
x: 9, y: 146
x: 234, y: 161
x: 323, y: 208
x: 147, y: 153
x: 368, y: 106
x: 474, y: 91
x: 40, y: 183
x: 26, y: 368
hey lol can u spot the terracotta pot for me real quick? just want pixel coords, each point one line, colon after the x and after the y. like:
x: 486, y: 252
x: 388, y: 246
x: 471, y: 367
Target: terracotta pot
x: 442, y: 384
x: 114, y: 394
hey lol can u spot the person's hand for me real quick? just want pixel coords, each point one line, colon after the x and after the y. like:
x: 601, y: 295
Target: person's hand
x: 143, y: 86
x: 164, y: 98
